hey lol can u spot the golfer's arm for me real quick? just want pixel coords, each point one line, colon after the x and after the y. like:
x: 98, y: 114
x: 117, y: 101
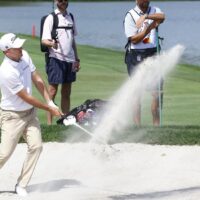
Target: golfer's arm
x: 40, y: 85
x: 160, y: 17
x: 32, y: 100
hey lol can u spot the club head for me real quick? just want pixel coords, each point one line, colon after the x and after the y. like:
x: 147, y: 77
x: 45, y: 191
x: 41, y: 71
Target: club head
x: 70, y: 120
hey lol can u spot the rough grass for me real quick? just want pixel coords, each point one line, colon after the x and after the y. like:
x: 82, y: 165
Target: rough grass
x: 166, y: 135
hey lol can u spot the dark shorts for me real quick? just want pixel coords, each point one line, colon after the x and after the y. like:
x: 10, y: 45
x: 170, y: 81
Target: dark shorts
x: 134, y: 57
x: 59, y: 71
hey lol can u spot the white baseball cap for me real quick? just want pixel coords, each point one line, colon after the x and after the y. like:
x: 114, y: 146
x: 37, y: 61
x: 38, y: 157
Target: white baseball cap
x: 9, y: 41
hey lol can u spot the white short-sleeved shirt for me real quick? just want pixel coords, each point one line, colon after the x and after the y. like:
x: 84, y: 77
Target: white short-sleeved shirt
x: 65, y: 51
x: 15, y: 76
x: 130, y: 27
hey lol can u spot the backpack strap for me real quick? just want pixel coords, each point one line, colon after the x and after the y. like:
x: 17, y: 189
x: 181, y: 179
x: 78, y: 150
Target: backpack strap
x: 127, y: 45
x: 55, y: 25
x: 55, y: 22
x: 71, y: 16
x: 148, y: 11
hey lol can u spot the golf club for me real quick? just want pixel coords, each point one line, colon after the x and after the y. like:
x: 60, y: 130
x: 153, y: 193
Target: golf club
x: 159, y: 85
x: 71, y: 120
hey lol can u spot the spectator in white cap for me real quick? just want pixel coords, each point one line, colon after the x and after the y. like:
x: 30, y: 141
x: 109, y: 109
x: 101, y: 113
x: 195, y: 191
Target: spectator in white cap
x: 18, y: 107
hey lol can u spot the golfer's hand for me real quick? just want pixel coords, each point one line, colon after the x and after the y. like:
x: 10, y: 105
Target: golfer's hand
x: 54, y: 109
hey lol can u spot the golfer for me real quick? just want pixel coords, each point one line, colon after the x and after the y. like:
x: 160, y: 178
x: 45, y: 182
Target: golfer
x: 17, y: 107
x: 140, y: 29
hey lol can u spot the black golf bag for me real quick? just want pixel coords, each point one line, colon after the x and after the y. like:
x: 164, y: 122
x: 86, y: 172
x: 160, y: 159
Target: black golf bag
x: 87, y: 114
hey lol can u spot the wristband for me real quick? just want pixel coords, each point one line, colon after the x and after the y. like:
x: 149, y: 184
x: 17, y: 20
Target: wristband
x: 78, y: 60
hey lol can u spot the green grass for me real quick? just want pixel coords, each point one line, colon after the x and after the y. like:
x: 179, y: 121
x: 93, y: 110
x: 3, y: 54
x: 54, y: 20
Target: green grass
x: 166, y: 135
x: 181, y: 102
x: 103, y: 71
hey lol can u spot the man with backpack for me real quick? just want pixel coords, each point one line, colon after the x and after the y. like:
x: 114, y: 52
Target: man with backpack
x: 62, y: 61
x: 140, y: 28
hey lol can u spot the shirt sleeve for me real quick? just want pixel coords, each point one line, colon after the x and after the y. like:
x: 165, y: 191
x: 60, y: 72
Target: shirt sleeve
x: 47, y: 28
x: 29, y: 61
x: 158, y: 10
x: 75, y: 28
x: 129, y: 26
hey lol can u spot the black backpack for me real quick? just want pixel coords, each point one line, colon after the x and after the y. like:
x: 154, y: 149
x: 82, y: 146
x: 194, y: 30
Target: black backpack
x: 44, y: 48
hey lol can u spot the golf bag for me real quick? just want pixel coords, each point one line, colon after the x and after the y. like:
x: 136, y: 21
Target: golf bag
x: 87, y: 114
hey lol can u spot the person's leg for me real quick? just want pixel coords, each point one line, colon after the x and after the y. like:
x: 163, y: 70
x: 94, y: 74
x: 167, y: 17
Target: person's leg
x: 155, y: 108
x: 32, y: 136
x: 137, y: 114
x: 53, y: 88
x: 132, y: 62
x: 157, y: 103
x: 53, y: 73
x: 65, y: 97
x: 11, y: 130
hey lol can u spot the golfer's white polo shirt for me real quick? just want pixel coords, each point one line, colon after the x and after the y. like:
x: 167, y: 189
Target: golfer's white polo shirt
x: 130, y: 27
x: 64, y: 51
x: 15, y: 76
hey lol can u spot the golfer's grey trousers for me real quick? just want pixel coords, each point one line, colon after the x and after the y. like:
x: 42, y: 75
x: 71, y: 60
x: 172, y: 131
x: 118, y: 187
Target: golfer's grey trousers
x: 14, y: 125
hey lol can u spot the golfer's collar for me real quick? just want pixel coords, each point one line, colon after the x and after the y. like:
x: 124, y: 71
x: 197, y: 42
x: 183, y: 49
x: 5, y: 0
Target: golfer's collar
x: 12, y: 62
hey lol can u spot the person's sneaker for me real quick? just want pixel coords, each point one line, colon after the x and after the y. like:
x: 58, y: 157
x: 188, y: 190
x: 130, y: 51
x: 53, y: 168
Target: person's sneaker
x: 20, y: 191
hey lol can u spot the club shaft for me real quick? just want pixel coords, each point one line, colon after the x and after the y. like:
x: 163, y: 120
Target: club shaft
x: 86, y: 131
